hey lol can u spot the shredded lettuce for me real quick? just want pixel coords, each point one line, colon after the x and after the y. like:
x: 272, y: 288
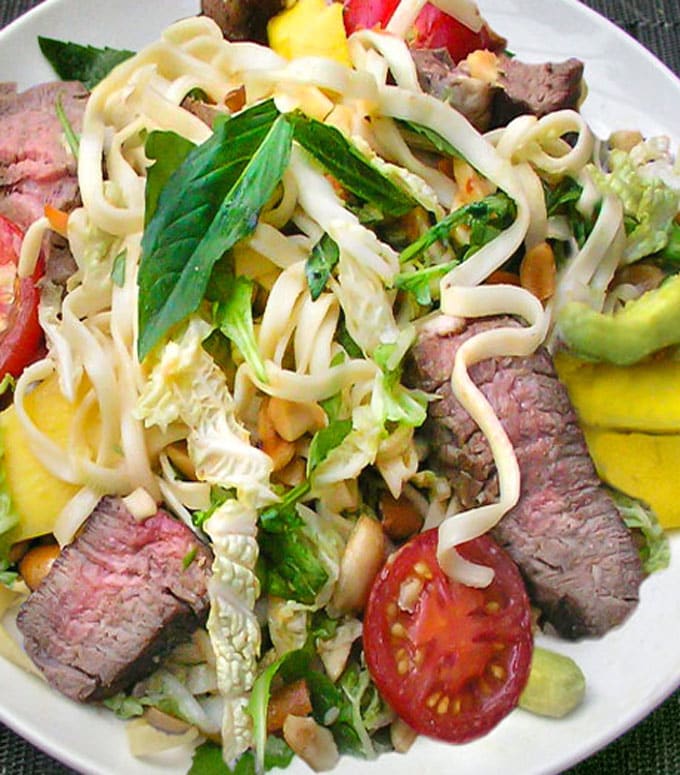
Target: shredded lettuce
x: 648, y: 202
x: 655, y: 552
x: 234, y: 317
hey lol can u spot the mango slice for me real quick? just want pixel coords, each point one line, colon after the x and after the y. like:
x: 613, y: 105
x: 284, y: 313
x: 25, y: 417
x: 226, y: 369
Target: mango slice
x: 642, y: 465
x: 310, y: 28
x: 642, y: 397
x: 36, y: 494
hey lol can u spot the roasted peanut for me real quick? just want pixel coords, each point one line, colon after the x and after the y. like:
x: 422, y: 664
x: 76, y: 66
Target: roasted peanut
x: 36, y: 563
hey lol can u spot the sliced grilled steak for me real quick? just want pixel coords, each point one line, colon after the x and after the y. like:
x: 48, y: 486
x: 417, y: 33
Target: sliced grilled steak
x: 440, y: 77
x: 578, y: 558
x: 122, y: 594
x: 242, y: 19
x: 537, y: 89
x: 36, y: 165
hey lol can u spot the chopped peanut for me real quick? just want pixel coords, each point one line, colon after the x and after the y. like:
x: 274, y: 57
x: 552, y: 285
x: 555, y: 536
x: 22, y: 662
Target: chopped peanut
x: 483, y: 64
x: 646, y: 277
x: 292, y: 699
x: 537, y: 272
x: 179, y: 456
x: 401, y: 735
x: 625, y: 139
x: 279, y: 450
x: 235, y: 100
x: 502, y: 277
x: 171, y: 725
x: 400, y: 518
x: 291, y: 419
x: 471, y: 185
x: 311, y: 742
x: 292, y: 474
x: 37, y: 562
x: 364, y: 556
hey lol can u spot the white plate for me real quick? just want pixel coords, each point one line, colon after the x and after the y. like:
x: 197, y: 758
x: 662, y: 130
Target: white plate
x: 632, y: 669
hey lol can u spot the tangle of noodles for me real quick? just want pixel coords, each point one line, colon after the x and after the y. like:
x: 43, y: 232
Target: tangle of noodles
x: 179, y: 394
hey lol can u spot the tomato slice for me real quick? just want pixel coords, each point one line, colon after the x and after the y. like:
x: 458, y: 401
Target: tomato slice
x: 21, y: 337
x: 365, y: 14
x: 433, y: 28
x: 450, y: 660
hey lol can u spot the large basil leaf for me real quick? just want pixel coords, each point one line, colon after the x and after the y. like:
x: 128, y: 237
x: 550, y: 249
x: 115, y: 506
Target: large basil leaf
x: 87, y: 64
x: 349, y: 166
x: 211, y: 202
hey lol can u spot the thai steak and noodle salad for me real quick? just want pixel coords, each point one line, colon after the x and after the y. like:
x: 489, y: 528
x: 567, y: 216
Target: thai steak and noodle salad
x: 293, y: 470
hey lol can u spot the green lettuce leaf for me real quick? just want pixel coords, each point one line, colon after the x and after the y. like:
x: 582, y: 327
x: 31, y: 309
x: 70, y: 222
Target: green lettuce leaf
x: 655, y: 551
x: 648, y: 202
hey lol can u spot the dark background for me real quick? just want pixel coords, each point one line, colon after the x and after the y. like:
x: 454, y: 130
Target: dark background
x: 652, y: 747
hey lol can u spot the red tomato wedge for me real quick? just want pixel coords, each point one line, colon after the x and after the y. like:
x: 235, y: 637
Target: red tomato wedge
x: 450, y: 660
x: 20, y: 334
x: 433, y: 28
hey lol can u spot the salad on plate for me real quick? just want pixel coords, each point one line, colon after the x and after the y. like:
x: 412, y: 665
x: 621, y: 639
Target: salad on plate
x: 338, y: 358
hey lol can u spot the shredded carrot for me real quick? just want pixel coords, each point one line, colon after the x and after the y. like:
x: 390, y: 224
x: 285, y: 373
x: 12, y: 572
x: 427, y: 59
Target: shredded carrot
x: 502, y: 277
x: 537, y: 272
x: 58, y: 220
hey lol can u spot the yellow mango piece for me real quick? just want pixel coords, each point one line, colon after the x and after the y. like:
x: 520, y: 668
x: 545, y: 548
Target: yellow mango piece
x: 310, y: 28
x: 642, y: 465
x: 37, y: 495
x: 642, y: 397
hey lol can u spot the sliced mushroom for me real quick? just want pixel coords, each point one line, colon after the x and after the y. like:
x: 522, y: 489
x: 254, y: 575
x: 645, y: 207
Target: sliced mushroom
x: 402, y: 735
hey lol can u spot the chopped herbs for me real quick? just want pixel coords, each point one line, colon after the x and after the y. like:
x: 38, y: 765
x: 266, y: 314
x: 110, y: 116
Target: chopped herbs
x: 496, y: 211
x: 69, y: 133
x: 319, y: 266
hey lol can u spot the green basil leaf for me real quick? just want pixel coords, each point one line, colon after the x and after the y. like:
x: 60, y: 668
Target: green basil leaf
x: 318, y: 267
x: 430, y: 139
x: 87, y: 64
x: 168, y: 151
x: 349, y: 166
x: 211, y: 202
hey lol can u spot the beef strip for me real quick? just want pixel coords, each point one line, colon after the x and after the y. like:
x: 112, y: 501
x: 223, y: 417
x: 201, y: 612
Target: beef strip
x: 440, y: 77
x: 537, y: 89
x: 565, y: 533
x: 115, y: 600
x: 242, y: 19
x: 36, y: 166
x: 521, y: 88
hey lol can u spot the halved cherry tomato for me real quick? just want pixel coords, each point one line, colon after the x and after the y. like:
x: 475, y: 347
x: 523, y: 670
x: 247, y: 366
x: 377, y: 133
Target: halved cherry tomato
x: 450, y: 660
x: 433, y: 28
x: 20, y: 334
x: 365, y: 14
